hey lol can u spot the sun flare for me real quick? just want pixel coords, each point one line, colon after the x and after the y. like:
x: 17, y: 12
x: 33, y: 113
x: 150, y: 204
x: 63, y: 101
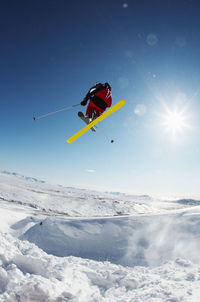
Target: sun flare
x: 175, y: 121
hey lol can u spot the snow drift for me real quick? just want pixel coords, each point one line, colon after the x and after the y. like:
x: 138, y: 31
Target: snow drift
x: 65, y: 244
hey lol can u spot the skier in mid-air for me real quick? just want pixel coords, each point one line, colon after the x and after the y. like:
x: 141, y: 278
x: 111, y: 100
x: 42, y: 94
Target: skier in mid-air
x: 100, y: 98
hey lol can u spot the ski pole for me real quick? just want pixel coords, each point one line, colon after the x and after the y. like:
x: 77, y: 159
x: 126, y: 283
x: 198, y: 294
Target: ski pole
x: 104, y: 134
x: 54, y: 112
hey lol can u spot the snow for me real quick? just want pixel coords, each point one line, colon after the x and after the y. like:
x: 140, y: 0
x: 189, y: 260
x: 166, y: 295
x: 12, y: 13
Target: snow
x: 66, y: 244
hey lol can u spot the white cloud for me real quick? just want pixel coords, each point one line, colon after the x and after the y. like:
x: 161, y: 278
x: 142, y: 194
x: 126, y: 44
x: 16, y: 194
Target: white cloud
x: 91, y: 171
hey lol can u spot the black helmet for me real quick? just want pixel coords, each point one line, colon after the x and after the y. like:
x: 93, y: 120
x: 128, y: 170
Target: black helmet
x: 107, y: 85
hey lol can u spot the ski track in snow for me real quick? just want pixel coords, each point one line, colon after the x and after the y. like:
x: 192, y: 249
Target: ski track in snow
x: 67, y: 244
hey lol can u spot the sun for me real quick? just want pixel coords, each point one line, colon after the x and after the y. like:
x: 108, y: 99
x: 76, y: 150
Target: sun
x: 175, y: 121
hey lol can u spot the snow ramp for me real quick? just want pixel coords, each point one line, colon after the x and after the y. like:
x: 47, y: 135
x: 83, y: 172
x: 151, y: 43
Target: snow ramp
x: 129, y: 241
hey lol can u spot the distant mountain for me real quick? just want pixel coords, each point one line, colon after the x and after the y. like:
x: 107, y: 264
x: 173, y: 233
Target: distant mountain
x: 22, y: 176
x: 189, y: 202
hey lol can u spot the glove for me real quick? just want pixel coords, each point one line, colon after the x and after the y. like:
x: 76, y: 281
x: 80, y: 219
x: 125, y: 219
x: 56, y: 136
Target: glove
x: 84, y: 102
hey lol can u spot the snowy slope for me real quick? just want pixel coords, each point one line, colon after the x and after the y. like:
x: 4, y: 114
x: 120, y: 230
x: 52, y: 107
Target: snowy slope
x: 53, y: 199
x: 66, y: 244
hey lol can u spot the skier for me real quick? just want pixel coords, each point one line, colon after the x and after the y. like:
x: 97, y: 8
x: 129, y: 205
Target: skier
x: 100, y: 98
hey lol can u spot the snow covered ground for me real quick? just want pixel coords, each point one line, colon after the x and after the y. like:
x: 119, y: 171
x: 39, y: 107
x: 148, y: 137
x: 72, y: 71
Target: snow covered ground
x: 67, y: 244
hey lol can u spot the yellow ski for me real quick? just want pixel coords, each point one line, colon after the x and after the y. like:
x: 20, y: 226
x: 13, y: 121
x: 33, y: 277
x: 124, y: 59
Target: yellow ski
x: 97, y: 120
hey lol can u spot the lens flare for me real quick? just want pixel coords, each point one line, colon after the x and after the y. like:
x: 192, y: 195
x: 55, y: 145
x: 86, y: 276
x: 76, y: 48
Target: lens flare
x: 175, y: 121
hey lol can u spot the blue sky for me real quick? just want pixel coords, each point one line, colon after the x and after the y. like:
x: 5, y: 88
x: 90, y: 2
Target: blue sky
x: 52, y: 52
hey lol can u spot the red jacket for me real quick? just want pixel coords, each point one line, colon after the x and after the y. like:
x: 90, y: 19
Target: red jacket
x: 105, y: 95
x: 100, y: 95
